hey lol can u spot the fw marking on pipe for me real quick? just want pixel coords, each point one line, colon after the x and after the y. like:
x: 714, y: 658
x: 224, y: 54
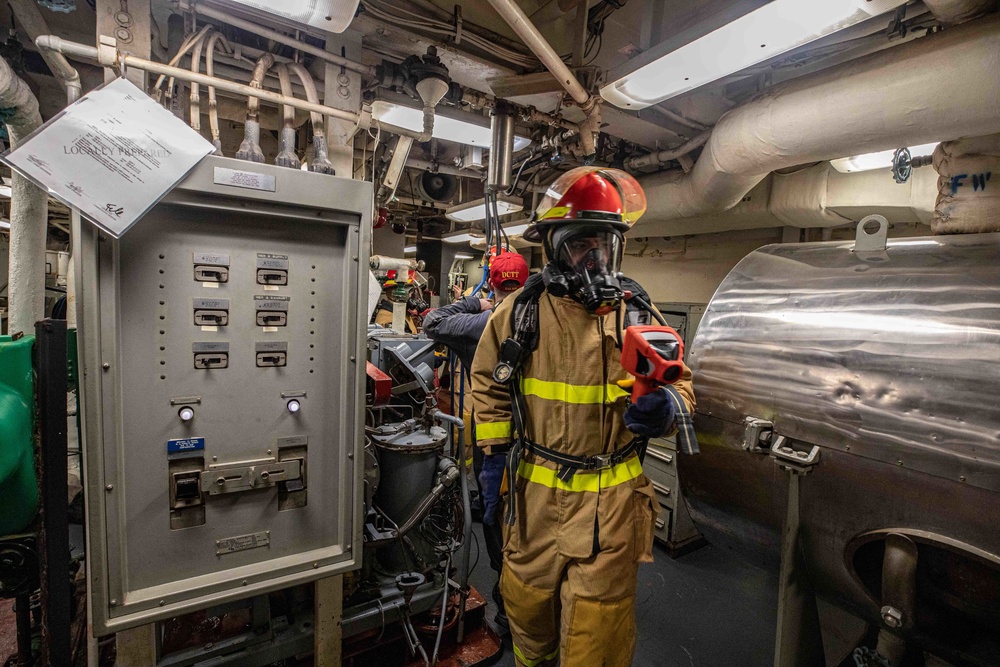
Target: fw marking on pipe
x: 979, y: 181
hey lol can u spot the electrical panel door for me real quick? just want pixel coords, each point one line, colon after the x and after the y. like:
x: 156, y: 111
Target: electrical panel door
x: 220, y: 339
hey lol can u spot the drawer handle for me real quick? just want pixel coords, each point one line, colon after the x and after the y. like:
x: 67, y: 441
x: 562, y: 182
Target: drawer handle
x: 667, y: 459
x: 662, y: 490
x: 660, y: 524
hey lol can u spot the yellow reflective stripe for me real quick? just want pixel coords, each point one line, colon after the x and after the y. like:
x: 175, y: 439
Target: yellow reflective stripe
x: 491, y: 430
x: 555, y: 212
x: 592, y: 481
x: 532, y: 663
x: 581, y: 394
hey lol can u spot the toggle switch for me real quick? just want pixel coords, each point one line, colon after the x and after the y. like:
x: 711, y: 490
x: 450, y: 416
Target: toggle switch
x: 294, y: 406
x: 186, y: 413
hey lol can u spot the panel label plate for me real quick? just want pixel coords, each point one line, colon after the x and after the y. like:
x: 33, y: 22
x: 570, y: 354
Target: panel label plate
x: 210, y: 347
x: 229, y: 545
x: 211, y: 304
x: 211, y: 258
x: 276, y: 346
x: 265, y: 302
x: 266, y: 260
x: 244, y: 179
x: 185, y: 445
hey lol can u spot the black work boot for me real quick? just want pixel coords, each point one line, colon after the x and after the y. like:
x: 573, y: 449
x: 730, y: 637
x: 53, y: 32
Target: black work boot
x: 501, y: 620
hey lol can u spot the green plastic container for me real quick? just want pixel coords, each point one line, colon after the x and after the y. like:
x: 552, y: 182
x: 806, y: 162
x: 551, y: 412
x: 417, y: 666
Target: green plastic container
x: 18, y: 487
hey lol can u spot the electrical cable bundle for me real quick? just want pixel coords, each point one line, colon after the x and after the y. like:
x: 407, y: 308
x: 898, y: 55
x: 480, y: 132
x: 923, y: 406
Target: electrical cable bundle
x: 384, y: 11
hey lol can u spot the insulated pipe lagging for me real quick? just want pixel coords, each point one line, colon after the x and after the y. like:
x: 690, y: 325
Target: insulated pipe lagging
x: 936, y: 88
x: 959, y: 11
x: 28, y: 211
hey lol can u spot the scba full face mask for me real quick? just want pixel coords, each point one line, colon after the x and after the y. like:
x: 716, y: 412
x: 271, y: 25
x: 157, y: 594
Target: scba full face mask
x: 585, y: 266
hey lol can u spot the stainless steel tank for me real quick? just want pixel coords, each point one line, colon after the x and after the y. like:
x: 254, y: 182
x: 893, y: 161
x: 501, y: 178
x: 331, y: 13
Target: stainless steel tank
x: 888, y: 363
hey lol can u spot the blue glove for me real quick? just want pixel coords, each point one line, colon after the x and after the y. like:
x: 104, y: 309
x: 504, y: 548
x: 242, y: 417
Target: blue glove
x: 652, y: 415
x: 490, y: 479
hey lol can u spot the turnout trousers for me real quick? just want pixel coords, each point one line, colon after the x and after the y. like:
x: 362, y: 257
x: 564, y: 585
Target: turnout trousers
x: 570, y: 564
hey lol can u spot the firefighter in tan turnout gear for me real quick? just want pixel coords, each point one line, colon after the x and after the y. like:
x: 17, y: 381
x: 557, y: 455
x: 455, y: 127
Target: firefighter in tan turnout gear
x: 551, y: 415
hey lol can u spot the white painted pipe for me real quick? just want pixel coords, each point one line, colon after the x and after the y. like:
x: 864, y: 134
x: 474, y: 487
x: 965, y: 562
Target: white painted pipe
x: 31, y: 20
x: 526, y: 30
x: 29, y: 212
x: 659, y: 157
x: 282, y: 38
x: 84, y: 52
x: 936, y: 88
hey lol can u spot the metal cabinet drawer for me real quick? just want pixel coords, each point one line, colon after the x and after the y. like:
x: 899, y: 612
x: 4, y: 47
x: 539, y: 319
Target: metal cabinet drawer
x: 661, y: 530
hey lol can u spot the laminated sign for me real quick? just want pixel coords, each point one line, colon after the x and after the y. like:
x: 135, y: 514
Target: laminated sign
x: 112, y: 155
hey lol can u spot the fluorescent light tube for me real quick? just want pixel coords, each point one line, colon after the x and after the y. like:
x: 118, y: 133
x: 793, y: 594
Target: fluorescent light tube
x: 462, y: 237
x: 327, y: 15
x: 476, y: 209
x: 880, y: 160
x: 409, y: 249
x: 4, y: 224
x: 447, y: 126
x: 679, y: 65
x: 463, y: 255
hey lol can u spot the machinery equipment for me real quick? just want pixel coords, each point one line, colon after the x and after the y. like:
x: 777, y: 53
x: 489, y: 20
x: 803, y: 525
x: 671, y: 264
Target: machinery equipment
x: 221, y: 342
x: 849, y: 433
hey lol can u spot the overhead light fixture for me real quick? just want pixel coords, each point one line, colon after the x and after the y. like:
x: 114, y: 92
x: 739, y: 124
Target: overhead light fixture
x: 409, y: 250
x: 476, y: 209
x: 684, y: 63
x: 457, y: 126
x: 515, y: 230
x: 880, y: 160
x: 327, y: 15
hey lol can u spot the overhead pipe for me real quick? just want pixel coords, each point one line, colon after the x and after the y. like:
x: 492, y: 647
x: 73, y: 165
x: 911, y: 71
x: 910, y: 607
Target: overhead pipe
x: 526, y: 30
x: 918, y: 92
x: 29, y: 211
x: 113, y: 58
x: 30, y: 17
x: 282, y: 38
x: 659, y: 157
x: 959, y: 11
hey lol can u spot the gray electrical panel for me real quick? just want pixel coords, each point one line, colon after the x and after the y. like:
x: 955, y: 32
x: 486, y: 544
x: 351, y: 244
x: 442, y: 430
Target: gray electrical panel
x: 222, y: 344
